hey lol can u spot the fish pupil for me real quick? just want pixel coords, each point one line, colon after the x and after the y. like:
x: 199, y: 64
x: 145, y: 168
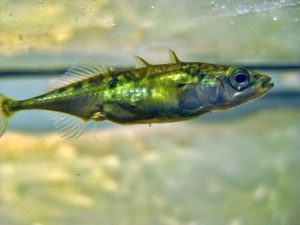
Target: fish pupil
x: 240, y: 78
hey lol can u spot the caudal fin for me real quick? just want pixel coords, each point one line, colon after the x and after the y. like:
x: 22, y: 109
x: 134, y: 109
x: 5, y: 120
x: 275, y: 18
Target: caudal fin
x: 4, y: 113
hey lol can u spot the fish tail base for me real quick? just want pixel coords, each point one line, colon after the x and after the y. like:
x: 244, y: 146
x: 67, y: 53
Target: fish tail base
x: 5, y: 112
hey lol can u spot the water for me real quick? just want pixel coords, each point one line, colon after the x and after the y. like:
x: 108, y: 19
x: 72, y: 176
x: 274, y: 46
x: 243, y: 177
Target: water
x: 236, y: 167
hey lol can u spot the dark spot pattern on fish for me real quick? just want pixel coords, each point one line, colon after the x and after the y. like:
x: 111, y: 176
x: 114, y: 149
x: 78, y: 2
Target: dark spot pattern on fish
x: 78, y: 85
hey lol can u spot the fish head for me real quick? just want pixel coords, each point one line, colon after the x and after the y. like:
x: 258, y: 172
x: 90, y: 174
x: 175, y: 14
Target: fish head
x: 227, y: 87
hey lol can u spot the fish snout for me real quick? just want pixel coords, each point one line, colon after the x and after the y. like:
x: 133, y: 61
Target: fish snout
x: 267, y: 83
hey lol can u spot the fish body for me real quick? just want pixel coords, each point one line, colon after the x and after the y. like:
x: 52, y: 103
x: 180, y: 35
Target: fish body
x: 148, y: 94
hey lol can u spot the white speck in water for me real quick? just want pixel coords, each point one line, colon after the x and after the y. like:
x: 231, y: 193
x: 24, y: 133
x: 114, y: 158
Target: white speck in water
x: 212, y: 2
x: 236, y: 221
x: 152, y: 7
x: 37, y: 223
x: 257, y: 8
x: 242, y: 10
x: 260, y: 192
x: 275, y: 18
x: 232, y: 22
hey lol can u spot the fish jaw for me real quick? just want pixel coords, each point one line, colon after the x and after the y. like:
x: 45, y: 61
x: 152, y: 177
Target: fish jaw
x: 264, y: 86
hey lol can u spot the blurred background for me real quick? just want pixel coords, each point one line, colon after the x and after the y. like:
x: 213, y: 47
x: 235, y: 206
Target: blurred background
x: 235, y: 167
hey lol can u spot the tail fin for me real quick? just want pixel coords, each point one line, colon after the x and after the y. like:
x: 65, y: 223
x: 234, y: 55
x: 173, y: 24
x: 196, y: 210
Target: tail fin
x: 5, y: 115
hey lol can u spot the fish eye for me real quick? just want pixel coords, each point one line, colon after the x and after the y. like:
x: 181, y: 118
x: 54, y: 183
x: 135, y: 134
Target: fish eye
x: 239, y: 78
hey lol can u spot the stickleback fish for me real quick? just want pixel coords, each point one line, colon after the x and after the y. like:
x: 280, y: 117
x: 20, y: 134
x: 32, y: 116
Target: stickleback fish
x: 147, y: 94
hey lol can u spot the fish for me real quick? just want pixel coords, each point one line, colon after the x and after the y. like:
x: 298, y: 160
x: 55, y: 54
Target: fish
x: 147, y: 94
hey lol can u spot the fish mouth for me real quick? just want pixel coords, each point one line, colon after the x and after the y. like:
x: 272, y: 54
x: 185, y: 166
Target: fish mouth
x: 267, y: 84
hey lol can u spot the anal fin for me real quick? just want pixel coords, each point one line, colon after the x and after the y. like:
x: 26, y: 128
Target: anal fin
x: 69, y: 126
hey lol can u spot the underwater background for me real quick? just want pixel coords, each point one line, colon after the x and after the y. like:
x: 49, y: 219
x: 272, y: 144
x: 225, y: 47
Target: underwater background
x: 234, y: 167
